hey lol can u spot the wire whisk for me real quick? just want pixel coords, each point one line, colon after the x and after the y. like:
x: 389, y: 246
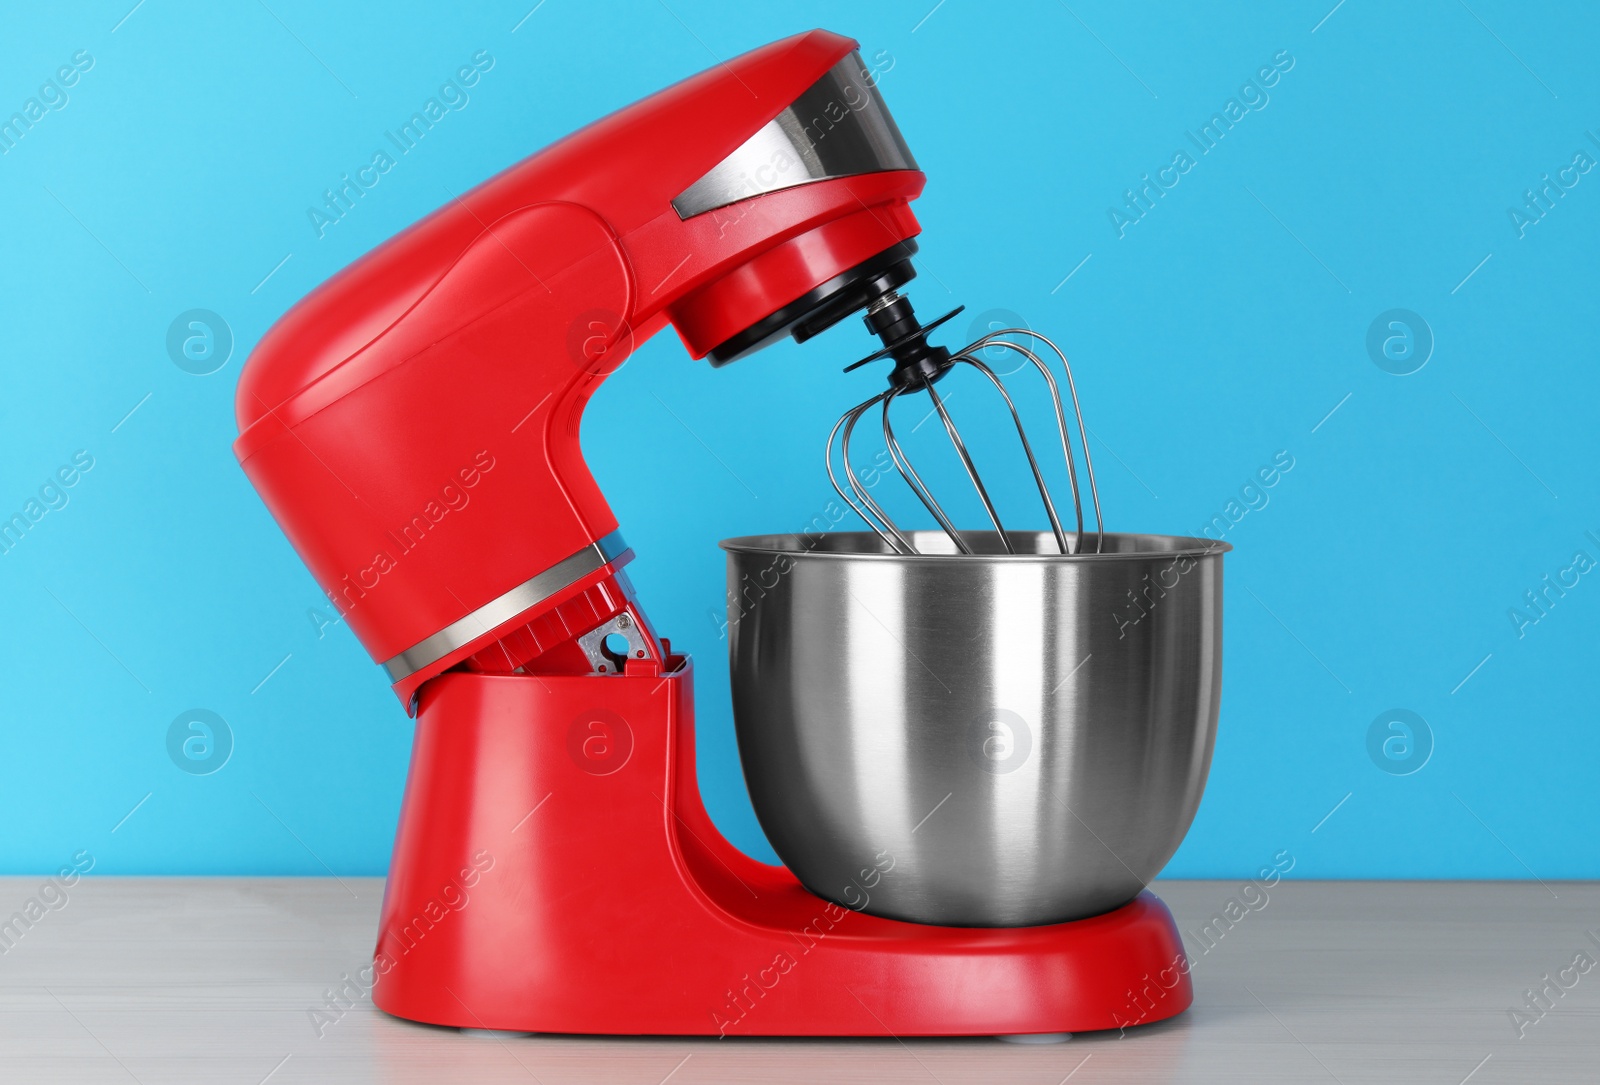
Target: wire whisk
x: 918, y: 367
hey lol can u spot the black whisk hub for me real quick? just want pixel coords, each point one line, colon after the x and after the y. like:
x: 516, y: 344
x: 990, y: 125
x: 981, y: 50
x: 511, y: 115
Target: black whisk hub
x: 917, y: 363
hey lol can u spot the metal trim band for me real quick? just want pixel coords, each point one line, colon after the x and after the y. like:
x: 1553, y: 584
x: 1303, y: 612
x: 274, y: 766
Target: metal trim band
x: 529, y: 593
x: 838, y: 127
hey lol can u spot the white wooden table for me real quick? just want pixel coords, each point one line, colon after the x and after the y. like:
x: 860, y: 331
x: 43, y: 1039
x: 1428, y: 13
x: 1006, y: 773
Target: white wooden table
x: 213, y: 980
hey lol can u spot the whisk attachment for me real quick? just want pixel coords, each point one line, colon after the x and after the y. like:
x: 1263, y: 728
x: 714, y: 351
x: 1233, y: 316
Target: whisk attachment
x: 918, y: 366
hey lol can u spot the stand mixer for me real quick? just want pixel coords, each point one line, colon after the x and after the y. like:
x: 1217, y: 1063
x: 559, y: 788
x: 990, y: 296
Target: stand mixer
x: 413, y: 427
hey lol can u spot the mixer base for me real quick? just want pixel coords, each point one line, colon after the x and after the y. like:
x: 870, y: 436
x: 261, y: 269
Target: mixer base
x: 555, y: 871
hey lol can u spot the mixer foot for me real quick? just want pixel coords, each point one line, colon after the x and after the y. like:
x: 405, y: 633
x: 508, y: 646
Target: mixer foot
x: 1035, y: 1038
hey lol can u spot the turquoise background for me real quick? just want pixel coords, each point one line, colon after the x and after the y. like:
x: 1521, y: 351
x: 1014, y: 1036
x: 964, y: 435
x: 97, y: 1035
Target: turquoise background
x: 1229, y: 323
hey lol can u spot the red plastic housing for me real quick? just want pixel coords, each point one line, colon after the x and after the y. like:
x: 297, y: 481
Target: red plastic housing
x: 555, y: 871
x: 413, y: 423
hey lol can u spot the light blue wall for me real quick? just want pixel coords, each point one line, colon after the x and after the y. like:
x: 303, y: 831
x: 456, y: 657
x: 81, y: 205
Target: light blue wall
x: 1224, y: 326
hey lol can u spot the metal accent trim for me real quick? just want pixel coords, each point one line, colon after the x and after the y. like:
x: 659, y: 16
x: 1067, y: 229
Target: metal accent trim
x: 838, y: 127
x: 503, y: 608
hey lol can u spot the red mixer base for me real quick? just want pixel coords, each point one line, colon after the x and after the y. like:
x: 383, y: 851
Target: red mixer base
x: 555, y: 871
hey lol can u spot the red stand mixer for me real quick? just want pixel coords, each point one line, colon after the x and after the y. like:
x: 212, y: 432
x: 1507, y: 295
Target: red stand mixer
x: 413, y: 427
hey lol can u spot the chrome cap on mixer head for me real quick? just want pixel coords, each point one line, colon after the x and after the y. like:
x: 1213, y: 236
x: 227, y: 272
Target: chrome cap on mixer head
x: 918, y: 365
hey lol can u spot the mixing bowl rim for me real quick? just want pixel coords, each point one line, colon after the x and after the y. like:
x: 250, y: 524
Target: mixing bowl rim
x: 1190, y: 546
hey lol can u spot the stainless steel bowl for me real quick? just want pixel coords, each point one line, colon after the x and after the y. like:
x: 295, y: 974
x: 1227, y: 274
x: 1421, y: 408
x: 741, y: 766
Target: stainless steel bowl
x: 982, y: 740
